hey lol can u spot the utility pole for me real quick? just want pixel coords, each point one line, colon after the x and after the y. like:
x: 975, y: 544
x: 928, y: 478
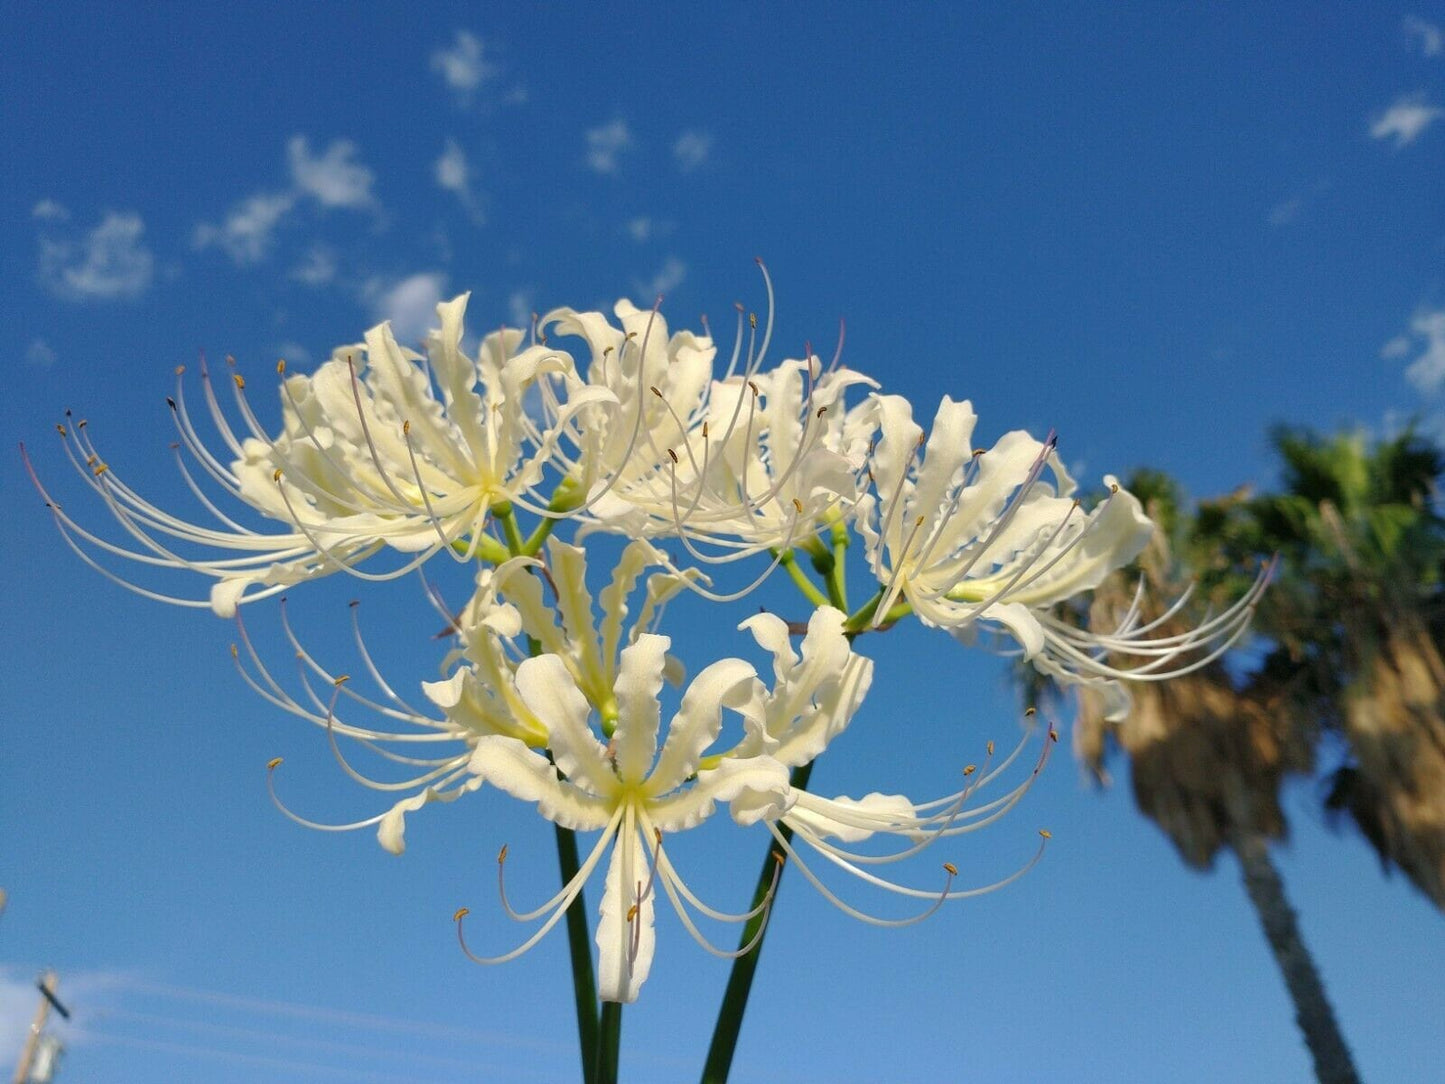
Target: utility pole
x: 33, y: 1042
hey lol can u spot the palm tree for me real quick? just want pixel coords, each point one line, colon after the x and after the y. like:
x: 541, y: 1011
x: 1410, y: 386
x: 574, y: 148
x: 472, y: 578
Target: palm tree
x: 1208, y: 754
x: 1363, y: 549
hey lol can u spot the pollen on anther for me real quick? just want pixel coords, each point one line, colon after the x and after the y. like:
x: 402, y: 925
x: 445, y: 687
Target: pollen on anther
x: 1053, y: 735
x: 280, y: 366
x: 406, y: 427
x: 1046, y: 833
x: 798, y: 505
x: 239, y: 379
x: 969, y: 769
x: 502, y: 854
x: 753, y: 320
x: 461, y: 913
x: 704, y: 430
x: 950, y: 869
x: 673, y: 454
x: 60, y: 429
x: 1030, y: 712
x: 632, y: 913
x: 234, y: 653
x: 989, y: 747
x: 273, y: 763
x: 276, y: 475
x: 754, y: 389
x: 340, y: 680
x: 1113, y: 487
x: 653, y: 388
x: 822, y: 410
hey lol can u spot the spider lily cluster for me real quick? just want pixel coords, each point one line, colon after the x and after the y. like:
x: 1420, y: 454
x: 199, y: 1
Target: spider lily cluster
x: 388, y: 458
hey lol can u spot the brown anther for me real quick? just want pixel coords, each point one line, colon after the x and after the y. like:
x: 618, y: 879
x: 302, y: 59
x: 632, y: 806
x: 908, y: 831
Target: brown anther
x: 673, y: 454
x: 978, y: 452
x: 60, y: 429
x: 1078, y: 502
x: 234, y: 653
x: 798, y: 505
x: 272, y: 763
x: 779, y: 857
x: 180, y: 369
x: 354, y: 603
x: 753, y: 320
x: 754, y: 388
x: 280, y: 366
x: 461, y: 913
x: 1114, y: 487
x: 653, y: 388
x: 969, y: 769
x: 1053, y: 735
x: 502, y: 854
x: 822, y: 410
x: 91, y: 460
x: 704, y: 430
x: 239, y: 379
x: 81, y: 424
x: 919, y: 521
x: 406, y: 427
x: 950, y: 869
x: 632, y: 913
x: 1028, y: 712
x: 657, y: 835
x: 631, y: 335
x: 170, y: 402
x: 606, y: 351
x: 989, y: 747
x: 276, y: 475
x: 231, y: 360
x: 173, y: 445
x: 340, y: 680
x: 1046, y: 833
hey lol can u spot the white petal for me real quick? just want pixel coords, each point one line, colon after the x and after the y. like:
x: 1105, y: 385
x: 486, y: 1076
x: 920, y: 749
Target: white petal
x: 639, y: 715
x: 549, y: 691
x: 758, y: 787
x: 391, y: 830
x: 625, y: 949
x: 839, y: 817
x: 509, y: 765
x: 726, y: 682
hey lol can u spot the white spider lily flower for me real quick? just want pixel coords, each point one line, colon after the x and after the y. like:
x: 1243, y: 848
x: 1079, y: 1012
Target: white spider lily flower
x: 381, y: 448
x: 970, y: 536
x: 630, y: 791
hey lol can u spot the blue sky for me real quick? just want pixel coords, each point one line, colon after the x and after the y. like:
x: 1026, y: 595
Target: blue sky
x: 1156, y: 229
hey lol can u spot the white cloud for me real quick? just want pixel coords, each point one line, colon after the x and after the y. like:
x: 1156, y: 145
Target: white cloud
x: 1405, y: 120
x: 1286, y: 211
x: 604, y: 144
x: 454, y: 174
x: 640, y: 228
x: 49, y: 210
x: 409, y: 304
x: 293, y: 354
x: 521, y: 304
x: 668, y: 278
x: 1432, y: 39
x: 1427, y: 334
x: 249, y: 228
x: 40, y: 354
x: 691, y: 150
x: 462, y: 66
x: 109, y: 263
x: 334, y: 179
x: 318, y: 268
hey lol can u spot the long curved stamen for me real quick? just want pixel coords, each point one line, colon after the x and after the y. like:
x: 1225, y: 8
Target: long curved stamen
x: 271, y: 767
x: 863, y: 916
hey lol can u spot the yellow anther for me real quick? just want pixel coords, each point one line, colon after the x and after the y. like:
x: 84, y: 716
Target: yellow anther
x: 607, y: 351
x: 798, y: 505
x: 60, y: 429
x: 753, y: 320
x: 502, y: 854
x: 631, y: 335
x: 100, y: 468
x: 1113, y: 487
x: 180, y: 369
x: 234, y: 653
x: 779, y: 857
x: 1046, y: 833
x: 919, y: 521
x: 91, y: 460
x: 280, y: 366
x: 276, y: 475
x: 632, y: 913
x: 989, y: 748
x: 1030, y: 712
x: 340, y: 680
x: 461, y: 913
x: 950, y: 869
x: 969, y: 769
x: 653, y: 388
x: 238, y: 378
x: 704, y: 430
x: 272, y: 764
x: 1078, y: 502
x: 1053, y: 734
x: 406, y: 427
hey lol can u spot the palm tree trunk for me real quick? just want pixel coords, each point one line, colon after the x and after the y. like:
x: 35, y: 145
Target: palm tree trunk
x: 1316, y: 1019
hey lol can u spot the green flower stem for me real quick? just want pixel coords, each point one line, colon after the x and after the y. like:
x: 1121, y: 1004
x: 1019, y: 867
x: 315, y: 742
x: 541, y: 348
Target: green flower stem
x: 859, y: 620
x: 740, y: 980
x: 584, y: 986
x: 510, y: 531
x: 487, y: 549
x: 789, y: 560
x: 836, y: 580
x: 567, y: 498
x: 609, y: 1043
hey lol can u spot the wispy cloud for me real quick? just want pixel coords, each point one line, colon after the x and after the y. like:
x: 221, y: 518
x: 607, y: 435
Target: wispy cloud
x: 410, y: 304
x: 454, y: 174
x: 49, y: 210
x: 40, y: 354
x: 317, y: 268
x: 606, y: 143
x: 1426, y: 372
x: 334, y: 178
x: 668, y: 278
x: 640, y: 228
x: 248, y: 230
x: 1428, y: 36
x: 462, y: 65
x: 1286, y: 212
x: 109, y: 263
x: 521, y: 304
x: 691, y: 150
x: 1405, y: 120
